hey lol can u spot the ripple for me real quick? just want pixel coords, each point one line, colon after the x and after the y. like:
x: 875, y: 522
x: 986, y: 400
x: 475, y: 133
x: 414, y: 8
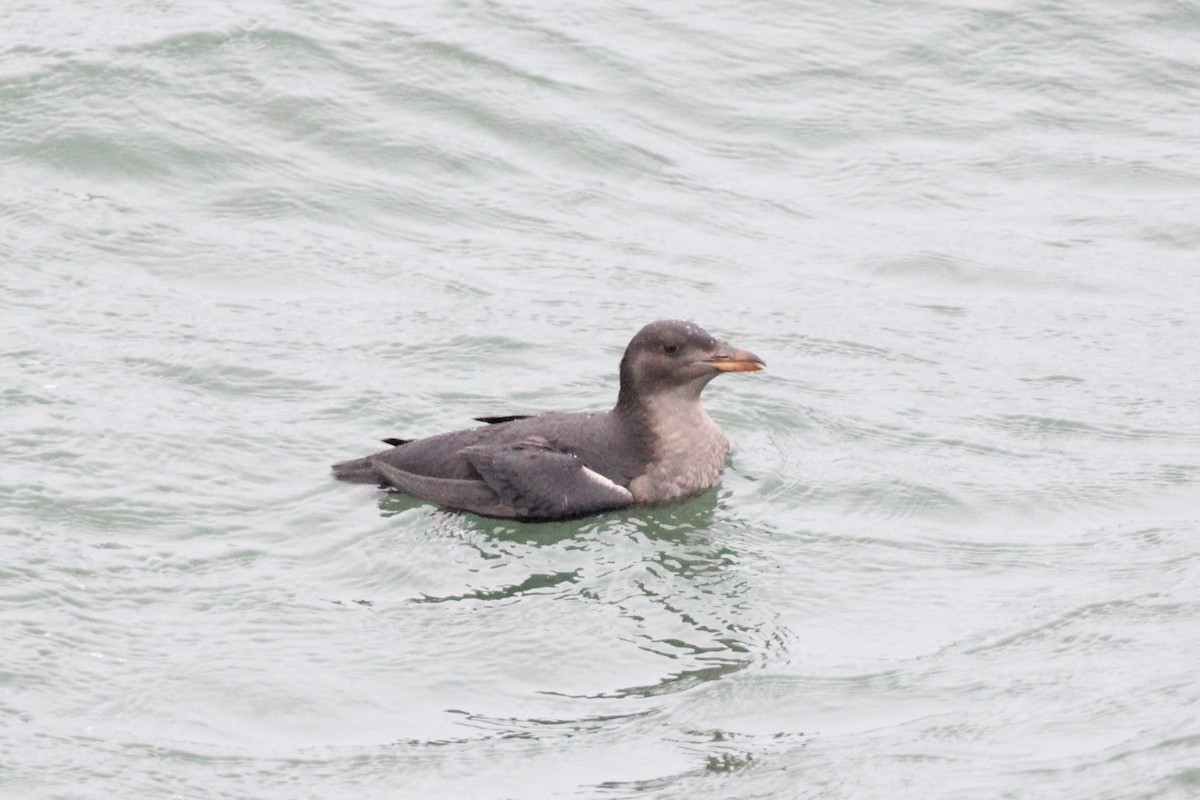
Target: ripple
x: 955, y: 547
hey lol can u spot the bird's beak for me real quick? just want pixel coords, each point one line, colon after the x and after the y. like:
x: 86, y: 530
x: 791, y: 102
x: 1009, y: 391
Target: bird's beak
x: 732, y: 359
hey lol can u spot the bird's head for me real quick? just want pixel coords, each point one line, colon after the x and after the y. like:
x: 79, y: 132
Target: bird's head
x: 673, y: 357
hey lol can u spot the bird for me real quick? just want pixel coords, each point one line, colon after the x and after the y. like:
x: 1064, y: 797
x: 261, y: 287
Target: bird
x: 656, y: 444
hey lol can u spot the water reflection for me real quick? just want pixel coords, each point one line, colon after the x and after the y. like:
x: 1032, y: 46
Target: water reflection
x: 666, y: 580
x: 690, y: 513
x: 535, y: 582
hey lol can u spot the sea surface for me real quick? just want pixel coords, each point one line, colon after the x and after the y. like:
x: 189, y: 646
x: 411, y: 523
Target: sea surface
x: 955, y: 553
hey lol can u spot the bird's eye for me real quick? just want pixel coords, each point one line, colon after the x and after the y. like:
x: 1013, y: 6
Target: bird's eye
x: 670, y: 349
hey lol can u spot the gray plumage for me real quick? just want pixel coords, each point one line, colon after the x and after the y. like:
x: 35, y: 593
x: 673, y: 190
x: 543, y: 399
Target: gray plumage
x: 656, y: 444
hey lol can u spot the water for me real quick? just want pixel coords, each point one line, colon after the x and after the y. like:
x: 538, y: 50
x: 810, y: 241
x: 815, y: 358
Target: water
x: 955, y: 552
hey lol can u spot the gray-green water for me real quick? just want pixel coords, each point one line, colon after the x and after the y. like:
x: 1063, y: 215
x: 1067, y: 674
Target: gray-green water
x: 955, y: 553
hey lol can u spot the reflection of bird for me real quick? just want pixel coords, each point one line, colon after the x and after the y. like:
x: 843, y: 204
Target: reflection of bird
x: 656, y: 444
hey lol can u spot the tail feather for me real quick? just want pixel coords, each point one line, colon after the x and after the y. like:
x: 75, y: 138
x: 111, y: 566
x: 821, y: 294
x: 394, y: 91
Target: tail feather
x: 357, y: 470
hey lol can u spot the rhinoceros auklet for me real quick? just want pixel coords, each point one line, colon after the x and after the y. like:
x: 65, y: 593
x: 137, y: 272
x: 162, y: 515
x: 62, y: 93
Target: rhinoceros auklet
x: 656, y: 444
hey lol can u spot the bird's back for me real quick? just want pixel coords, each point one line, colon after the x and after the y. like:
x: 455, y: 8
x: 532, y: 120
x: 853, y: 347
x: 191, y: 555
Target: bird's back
x: 603, y: 441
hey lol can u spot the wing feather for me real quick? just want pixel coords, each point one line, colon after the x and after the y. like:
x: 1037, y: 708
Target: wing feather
x: 529, y: 480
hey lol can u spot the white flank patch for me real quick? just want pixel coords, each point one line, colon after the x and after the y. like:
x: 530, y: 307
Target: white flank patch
x: 600, y: 480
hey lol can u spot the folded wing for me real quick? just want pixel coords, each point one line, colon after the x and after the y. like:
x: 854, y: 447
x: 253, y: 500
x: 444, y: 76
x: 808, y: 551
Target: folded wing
x: 529, y: 479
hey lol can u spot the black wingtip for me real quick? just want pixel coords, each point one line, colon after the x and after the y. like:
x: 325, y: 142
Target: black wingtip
x: 502, y: 419
x: 396, y: 442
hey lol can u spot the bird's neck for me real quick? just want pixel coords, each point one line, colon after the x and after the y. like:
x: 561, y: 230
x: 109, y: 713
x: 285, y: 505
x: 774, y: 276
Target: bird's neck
x: 685, y: 448
x: 667, y: 421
